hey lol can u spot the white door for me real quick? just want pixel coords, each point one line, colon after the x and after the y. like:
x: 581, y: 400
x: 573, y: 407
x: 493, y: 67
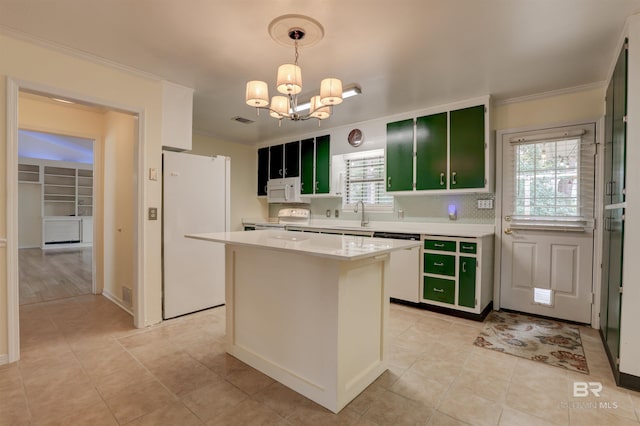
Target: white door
x: 547, y: 222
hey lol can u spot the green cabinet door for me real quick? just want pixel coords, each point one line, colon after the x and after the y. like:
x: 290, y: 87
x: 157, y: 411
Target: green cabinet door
x: 619, y: 128
x: 467, y: 148
x: 431, y: 152
x: 467, y: 282
x: 615, y: 227
x: 608, y: 144
x: 399, y: 162
x: 263, y: 170
x: 276, y: 162
x: 323, y: 164
x: 292, y: 159
x: 306, y: 166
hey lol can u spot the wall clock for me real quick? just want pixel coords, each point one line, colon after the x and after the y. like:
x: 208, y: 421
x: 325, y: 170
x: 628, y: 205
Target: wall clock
x: 355, y: 137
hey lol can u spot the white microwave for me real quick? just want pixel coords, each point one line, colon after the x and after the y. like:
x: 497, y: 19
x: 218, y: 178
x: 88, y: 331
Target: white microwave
x: 286, y: 190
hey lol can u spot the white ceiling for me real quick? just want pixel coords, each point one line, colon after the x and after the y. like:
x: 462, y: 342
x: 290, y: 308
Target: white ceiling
x: 49, y: 146
x: 405, y: 54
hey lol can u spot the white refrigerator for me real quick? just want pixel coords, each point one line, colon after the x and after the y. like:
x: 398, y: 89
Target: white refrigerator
x: 195, y: 199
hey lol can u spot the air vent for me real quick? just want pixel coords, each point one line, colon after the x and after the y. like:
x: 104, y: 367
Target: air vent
x: 242, y: 120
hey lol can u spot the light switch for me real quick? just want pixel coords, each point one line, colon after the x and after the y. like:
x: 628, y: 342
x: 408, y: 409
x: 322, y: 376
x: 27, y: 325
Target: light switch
x: 153, y: 173
x: 153, y: 213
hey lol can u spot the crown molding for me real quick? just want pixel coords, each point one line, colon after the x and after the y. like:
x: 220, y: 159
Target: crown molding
x: 10, y: 32
x: 551, y: 93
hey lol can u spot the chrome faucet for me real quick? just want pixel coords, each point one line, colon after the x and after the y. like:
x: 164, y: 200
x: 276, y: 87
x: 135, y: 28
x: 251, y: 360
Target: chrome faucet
x: 363, y: 222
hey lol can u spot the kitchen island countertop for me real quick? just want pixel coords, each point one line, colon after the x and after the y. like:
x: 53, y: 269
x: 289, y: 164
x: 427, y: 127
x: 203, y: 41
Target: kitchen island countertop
x: 336, y: 247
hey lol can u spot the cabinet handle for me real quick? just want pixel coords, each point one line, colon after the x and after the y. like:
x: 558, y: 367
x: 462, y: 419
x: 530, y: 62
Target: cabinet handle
x: 285, y: 171
x: 464, y: 266
x: 438, y: 290
x: 265, y: 189
x: 438, y: 245
x: 467, y: 247
x: 613, y: 187
x: 389, y: 182
x: 453, y: 178
x: 280, y: 172
x: 441, y: 179
x: 438, y: 264
x: 317, y: 183
x: 607, y: 190
x: 301, y: 186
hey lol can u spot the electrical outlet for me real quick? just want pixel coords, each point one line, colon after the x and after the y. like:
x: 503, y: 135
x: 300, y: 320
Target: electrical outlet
x: 153, y: 213
x: 485, y: 204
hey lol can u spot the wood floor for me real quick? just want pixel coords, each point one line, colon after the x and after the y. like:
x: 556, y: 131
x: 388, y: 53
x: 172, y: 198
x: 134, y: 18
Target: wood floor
x: 47, y: 275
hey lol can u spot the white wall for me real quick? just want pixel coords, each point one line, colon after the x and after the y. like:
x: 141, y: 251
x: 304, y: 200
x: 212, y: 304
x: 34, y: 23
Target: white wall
x: 244, y: 177
x: 29, y: 215
x: 119, y: 198
x: 25, y: 62
x: 630, y: 315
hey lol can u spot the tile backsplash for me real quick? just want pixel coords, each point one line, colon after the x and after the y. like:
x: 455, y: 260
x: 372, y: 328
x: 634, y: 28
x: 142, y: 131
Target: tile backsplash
x: 417, y: 208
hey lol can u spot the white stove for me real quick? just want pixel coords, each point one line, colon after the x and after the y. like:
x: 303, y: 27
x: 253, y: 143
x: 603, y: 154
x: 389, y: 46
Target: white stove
x: 287, y: 216
x: 294, y: 216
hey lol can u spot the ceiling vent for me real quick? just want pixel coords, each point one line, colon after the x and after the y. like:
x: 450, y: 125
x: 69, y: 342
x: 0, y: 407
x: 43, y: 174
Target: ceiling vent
x: 242, y: 120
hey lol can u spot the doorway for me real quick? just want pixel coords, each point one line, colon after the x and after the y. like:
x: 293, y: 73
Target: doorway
x: 55, y: 210
x: 101, y: 237
x: 547, y: 222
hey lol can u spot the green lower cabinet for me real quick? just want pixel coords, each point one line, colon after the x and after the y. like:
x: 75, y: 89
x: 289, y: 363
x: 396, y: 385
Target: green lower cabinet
x: 441, y: 264
x: 439, y: 289
x: 467, y: 282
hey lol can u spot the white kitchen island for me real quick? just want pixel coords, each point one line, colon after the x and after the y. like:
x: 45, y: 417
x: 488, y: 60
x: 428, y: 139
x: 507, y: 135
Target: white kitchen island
x: 309, y: 310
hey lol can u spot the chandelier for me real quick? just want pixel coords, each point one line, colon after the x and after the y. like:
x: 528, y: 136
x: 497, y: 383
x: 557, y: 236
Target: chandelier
x: 296, y: 30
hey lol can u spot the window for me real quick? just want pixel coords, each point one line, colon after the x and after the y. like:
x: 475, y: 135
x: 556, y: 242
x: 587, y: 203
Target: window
x: 547, y: 182
x: 364, y: 181
x: 554, y: 175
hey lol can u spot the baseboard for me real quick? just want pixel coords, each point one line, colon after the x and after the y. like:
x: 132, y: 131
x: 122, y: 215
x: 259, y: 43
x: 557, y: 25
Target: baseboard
x: 448, y: 311
x: 117, y: 301
x: 625, y: 380
x: 4, y: 359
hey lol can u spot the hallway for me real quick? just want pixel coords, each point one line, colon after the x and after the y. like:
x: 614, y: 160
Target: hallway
x: 47, y: 275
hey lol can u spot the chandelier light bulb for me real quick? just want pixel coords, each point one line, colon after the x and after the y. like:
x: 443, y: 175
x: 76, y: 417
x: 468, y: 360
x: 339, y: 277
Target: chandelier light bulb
x: 257, y: 94
x: 279, y: 107
x: 331, y: 91
x: 289, y: 79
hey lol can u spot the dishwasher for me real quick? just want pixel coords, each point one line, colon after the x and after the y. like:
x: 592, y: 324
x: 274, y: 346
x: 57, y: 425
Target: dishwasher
x: 404, y: 268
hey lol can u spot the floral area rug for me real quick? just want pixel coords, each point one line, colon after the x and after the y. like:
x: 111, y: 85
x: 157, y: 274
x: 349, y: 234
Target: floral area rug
x: 552, y: 342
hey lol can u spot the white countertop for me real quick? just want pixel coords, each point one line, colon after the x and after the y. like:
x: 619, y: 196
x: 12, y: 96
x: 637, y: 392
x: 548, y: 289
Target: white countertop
x: 448, y: 229
x: 336, y: 247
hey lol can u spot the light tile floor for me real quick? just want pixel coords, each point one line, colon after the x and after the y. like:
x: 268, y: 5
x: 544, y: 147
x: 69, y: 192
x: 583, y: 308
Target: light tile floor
x: 83, y: 363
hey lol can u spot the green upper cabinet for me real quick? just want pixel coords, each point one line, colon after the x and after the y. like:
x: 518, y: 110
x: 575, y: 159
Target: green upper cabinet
x: 431, y: 152
x: 467, y: 148
x: 451, y: 150
x: 619, y: 125
x: 276, y: 162
x: 315, y: 165
x: 292, y: 159
x: 263, y: 170
x: 323, y: 165
x: 307, y: 160
x: 399, y: 161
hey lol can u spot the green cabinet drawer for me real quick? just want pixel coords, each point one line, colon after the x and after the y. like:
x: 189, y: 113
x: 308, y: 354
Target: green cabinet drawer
x: 440, y: 245
x: 439, y: 289
x: 468, y: 247
x: 441, y: 264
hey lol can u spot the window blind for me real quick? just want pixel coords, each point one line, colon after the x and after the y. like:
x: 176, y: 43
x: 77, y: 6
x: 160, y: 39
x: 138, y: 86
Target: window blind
x: 364, y: 181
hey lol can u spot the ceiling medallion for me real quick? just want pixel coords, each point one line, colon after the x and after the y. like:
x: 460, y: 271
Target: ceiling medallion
x: 296, y: 30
